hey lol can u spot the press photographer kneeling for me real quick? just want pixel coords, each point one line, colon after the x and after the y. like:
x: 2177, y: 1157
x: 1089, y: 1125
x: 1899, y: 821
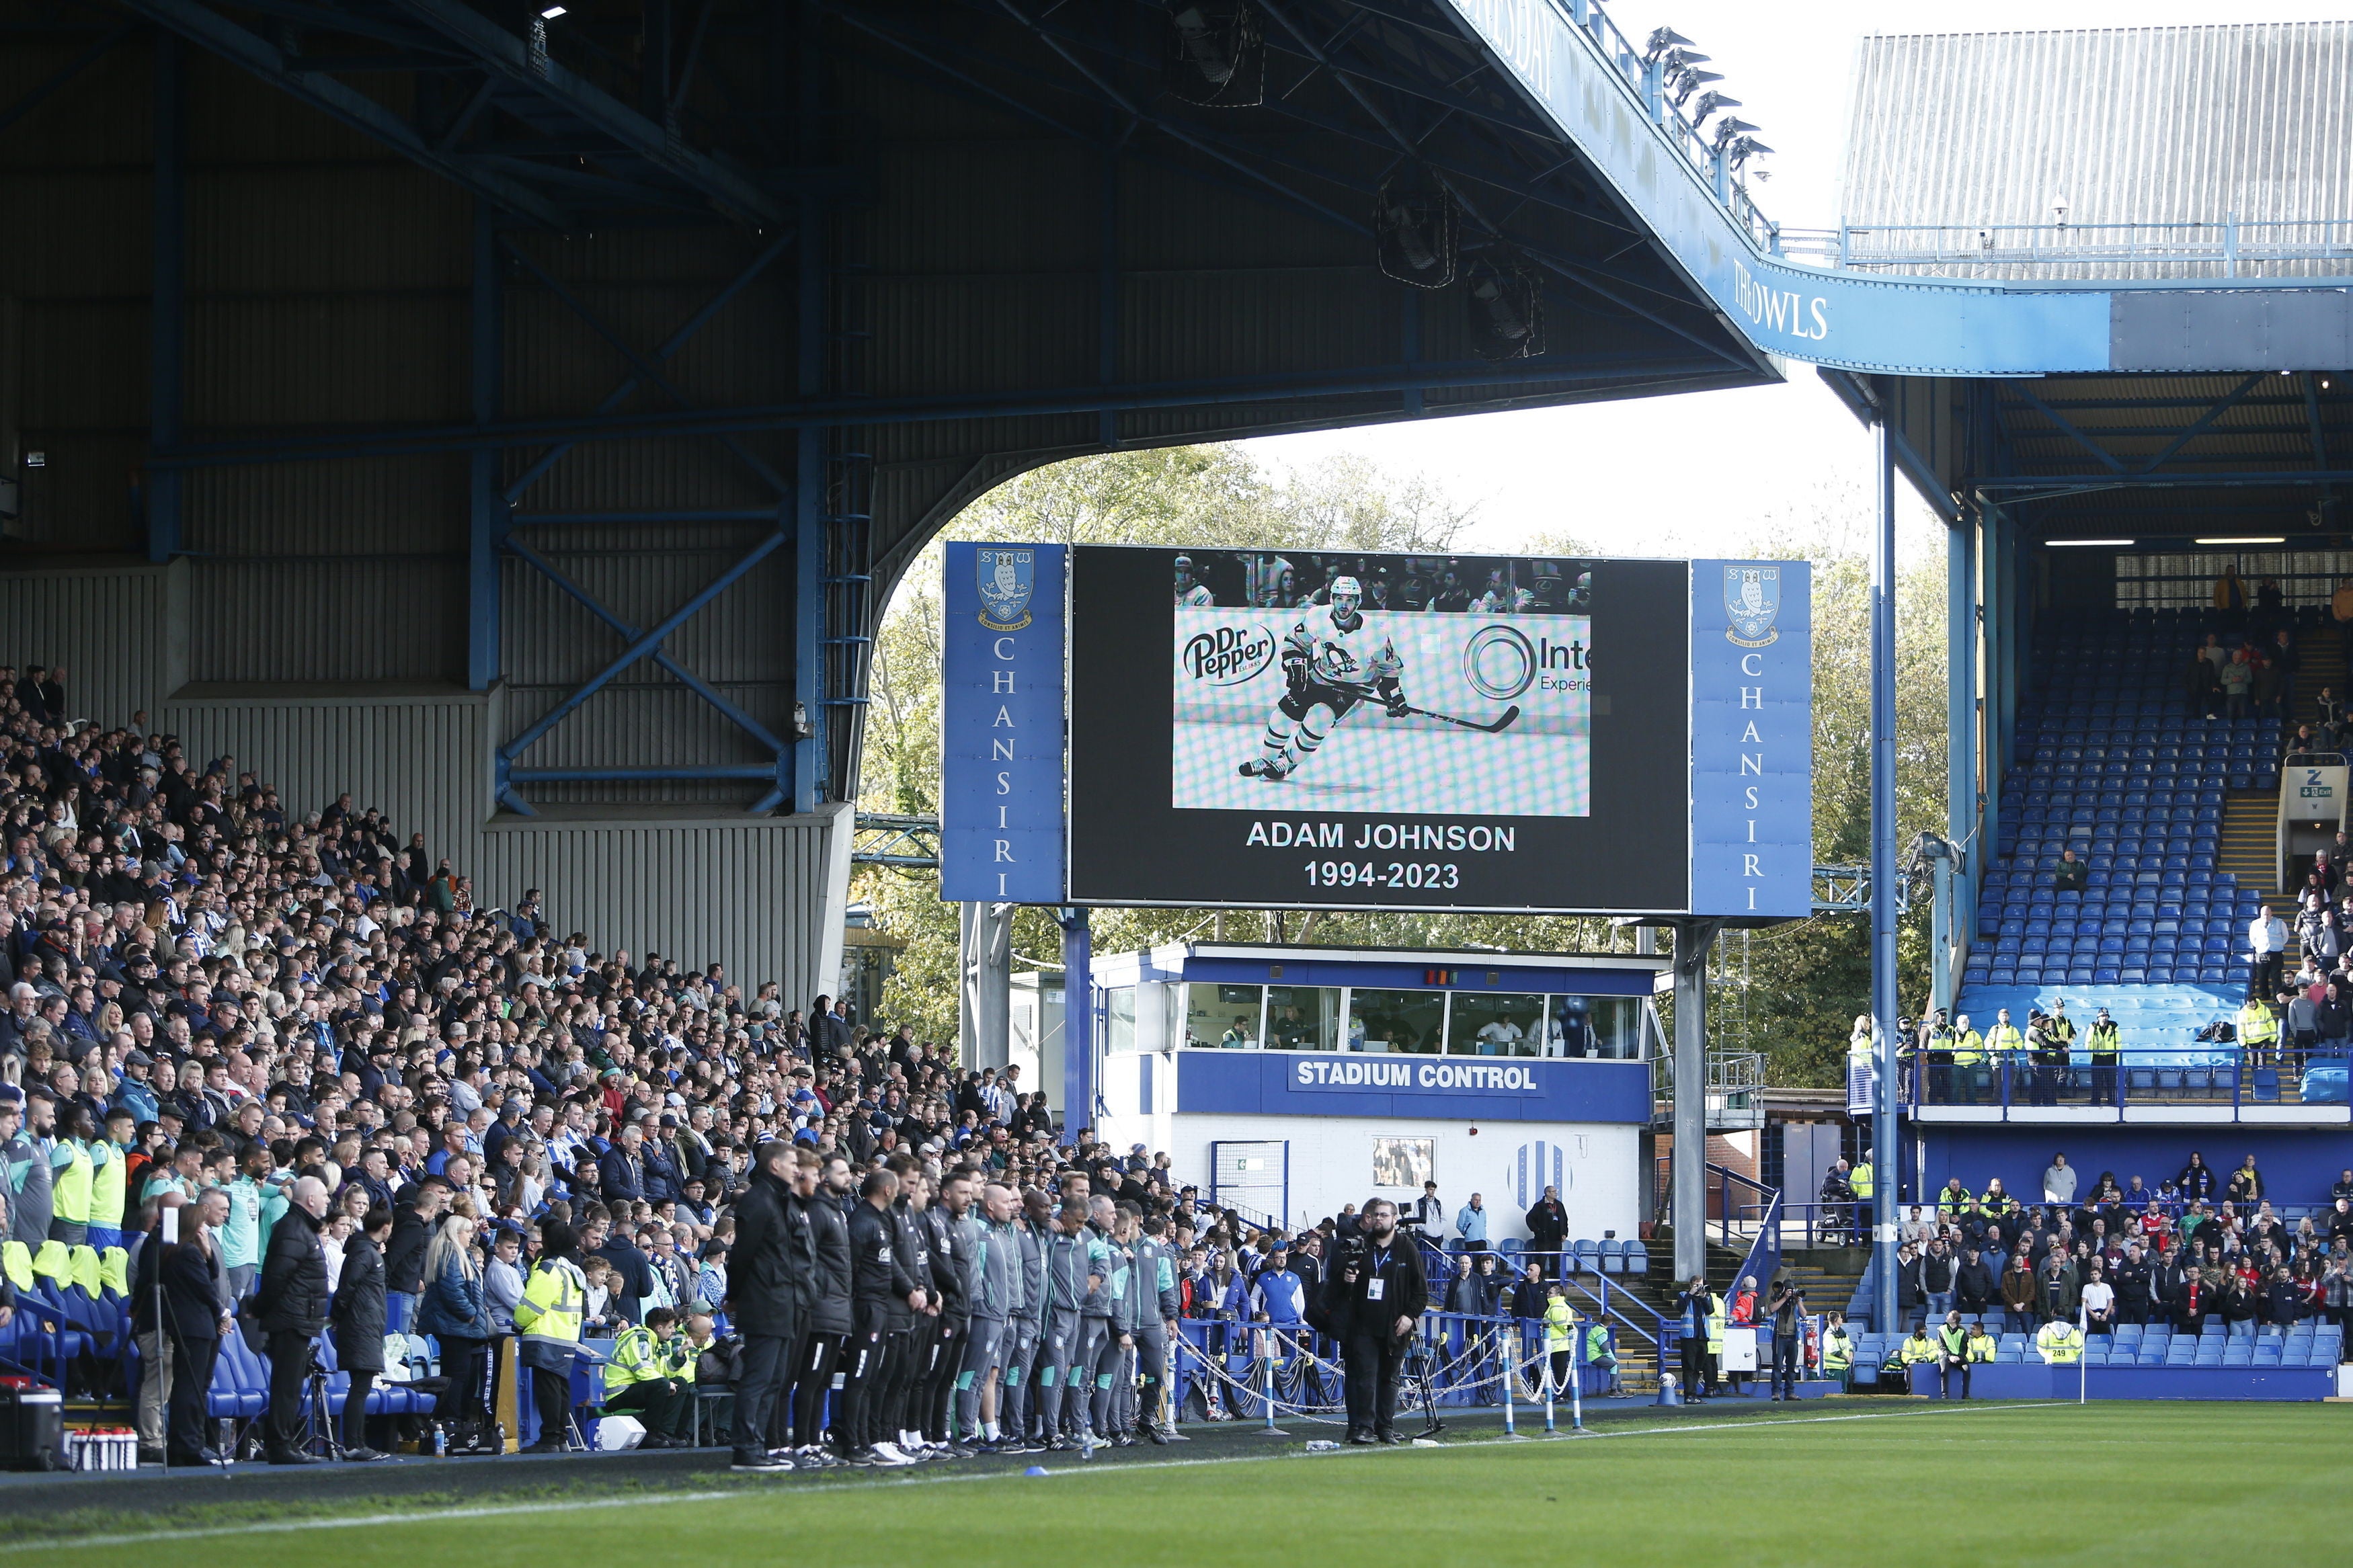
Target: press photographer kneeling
x: 1373, y: 1298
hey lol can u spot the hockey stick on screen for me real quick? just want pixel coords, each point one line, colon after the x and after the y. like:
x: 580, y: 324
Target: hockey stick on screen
x: 1491, y: 727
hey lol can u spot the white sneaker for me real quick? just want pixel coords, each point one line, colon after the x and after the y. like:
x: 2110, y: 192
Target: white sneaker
x: 890, y: 1454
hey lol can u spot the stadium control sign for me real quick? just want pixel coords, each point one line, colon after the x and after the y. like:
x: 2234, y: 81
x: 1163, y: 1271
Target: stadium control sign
x: 1001, y: 746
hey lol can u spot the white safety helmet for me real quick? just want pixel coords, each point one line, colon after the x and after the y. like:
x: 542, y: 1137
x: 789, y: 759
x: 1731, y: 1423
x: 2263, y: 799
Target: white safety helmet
x: 1346, y: 589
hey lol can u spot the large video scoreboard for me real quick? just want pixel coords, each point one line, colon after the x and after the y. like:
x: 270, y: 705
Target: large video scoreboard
x: 1337, y: 730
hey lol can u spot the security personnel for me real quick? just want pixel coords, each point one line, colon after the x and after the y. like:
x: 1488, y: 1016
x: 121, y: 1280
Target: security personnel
x: 1952, y: 1355
x: 1981, y: 1343
x: 638, y: 1377
x: 2043, y: 1084
x: 1938, y: 1042
x: 2106, y: 1043
x: 884, y: 1297
x: 1918, y: 1351
x: 2005, y: 1046
x: 1699, y: 1321
x: 1838, y: 1349
x: 1559, y: 1339
x: 2060, y: 1342
x: 1954, y: 1200
x: 1158, y: 1305
x: 1860, y: 1180
x: 1969, y: 1060
x: 1374, y: 1295
x: 2058, y: 1035
x: 548, y: 1318
x: 2259, y: 1029
x: 1600, y: 1353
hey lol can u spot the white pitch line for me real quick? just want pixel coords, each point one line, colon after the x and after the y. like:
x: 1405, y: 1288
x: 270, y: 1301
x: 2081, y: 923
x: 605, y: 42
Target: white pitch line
x: 636, y: 1499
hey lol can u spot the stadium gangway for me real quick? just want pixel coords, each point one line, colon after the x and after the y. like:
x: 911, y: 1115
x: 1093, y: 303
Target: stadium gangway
x: 1763, y: 1260
x: 2259, y: 1085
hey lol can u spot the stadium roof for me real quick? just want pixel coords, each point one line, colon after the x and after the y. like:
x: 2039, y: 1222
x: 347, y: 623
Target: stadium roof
x: 2160, y: 140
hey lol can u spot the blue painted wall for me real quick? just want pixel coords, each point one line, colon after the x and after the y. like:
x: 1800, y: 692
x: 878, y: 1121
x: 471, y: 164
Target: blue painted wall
x: 2298, y: 1165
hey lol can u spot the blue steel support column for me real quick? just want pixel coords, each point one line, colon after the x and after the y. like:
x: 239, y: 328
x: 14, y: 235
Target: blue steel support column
x: 810, y: 448
x: 1957, y: 907
x: 167, y: 314
x: 487, y: 509
x: 1078, y: 1022
x: 1884, y: 1176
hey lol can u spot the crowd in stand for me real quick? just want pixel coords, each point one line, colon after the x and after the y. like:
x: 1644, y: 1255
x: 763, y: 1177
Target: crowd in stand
x: 2202, y: 1244
x: 358, y: 1097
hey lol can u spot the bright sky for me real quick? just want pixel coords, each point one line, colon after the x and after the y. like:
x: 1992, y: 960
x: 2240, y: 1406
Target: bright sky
x: 1700, y: 473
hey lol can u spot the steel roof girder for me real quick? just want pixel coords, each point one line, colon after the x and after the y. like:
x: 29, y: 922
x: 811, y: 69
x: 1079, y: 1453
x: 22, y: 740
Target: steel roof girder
x: 203, y: 26
x: 735, y: 193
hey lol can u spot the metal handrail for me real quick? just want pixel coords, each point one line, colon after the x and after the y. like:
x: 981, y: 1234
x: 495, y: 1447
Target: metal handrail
x: 2226, y: 243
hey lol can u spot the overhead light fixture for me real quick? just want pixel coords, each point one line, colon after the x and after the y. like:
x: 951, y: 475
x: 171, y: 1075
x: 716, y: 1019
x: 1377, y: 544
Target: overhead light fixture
x: 1506, y: 313
x: 551, y: 14
x: 1415, y: 225
x: 2059, y: 544
x: 1216, y: 54
x: 2244, y: 539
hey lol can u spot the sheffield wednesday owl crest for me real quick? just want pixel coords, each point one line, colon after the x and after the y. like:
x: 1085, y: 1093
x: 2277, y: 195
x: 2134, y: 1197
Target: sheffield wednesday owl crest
x: 1007, y: 578
x: 1752, y: 598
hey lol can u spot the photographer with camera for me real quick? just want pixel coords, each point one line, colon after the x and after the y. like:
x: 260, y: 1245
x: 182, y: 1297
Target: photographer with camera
x: 1373, y: 1298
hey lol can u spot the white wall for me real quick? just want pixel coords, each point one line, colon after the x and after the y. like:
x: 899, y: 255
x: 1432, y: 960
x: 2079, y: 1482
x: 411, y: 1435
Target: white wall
x: 1332, y: 1156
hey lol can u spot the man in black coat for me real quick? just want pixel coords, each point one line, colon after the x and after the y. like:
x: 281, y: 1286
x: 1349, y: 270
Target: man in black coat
x: 821, y: 1187
x: 1373, y: 1298
x: 1548, y: 1229
x: 765, y: 1275
x: 414, y: 1216
x: 292, y: 1306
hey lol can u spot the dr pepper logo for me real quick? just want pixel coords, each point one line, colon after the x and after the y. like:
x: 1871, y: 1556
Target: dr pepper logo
x: 1228, y: 656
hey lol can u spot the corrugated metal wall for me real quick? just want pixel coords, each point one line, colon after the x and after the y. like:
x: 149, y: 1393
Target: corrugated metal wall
x: 107, y: 625
x: 748, y: 892
x: 2134, y: 124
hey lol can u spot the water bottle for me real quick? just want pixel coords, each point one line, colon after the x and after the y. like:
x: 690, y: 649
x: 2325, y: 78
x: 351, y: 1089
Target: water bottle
x: 1322, y: 1446
x: 440, y: 1441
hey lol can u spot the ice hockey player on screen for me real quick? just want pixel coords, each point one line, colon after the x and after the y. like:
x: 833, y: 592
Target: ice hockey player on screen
x: 1332, y: 660
x: 1191, y: 593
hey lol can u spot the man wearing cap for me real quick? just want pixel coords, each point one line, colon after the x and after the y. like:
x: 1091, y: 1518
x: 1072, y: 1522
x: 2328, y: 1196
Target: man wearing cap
x: 2106, y: 1043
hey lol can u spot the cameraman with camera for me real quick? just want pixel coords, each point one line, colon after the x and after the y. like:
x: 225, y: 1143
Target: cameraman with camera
x: 1373, y: 1298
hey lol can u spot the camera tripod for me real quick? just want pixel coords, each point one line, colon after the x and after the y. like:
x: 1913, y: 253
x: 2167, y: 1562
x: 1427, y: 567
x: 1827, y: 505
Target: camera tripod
x: 325, y: 1426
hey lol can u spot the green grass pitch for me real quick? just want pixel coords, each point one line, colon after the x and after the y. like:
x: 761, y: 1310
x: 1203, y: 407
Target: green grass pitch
x: 1986, y: 1486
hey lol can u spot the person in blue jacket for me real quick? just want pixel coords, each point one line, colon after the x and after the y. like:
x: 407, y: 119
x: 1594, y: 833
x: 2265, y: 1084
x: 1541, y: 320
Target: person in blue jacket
x: 456, y: 1311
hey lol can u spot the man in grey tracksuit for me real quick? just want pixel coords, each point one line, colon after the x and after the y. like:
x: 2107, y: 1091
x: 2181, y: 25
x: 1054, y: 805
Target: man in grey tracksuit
x: 1078, y: 1271
x: 1109, y: 1338
x: 1158, y: 1305
x: 991, y: 1280
x: 1025, y: 1322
